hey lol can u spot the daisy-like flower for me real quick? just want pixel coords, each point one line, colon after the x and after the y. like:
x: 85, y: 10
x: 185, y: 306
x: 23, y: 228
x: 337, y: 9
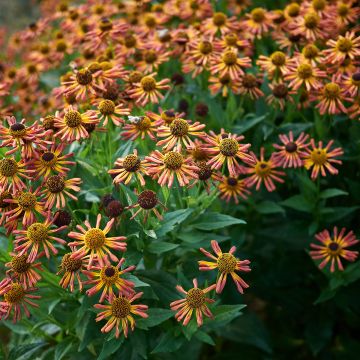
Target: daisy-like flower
x: 195, y: 301
x: 346, y: 13
x: 310, y: 25
x: 108, y: 277
x: 165, y: 167
x: 206, y: 176
x: 258, y: 22
x: 280, y: 94
x: 11, y: 172
x: 22, y: 137
x: 147, y: 90
x: 94, y: 241
x: 230, y: 64
x: 37, y: 236
x: 330, y: 99
x: 72, y: 126
x: 220, y: 23
x: 225, y: 148
x: 344, y: 47
x: 304, y: 74
x: 147, y: 202
x: 56, y: 187
x: 227, y: 264
x: 249, y: 85
x: 352, y: 84
x: 321, y: 158
x: 16, y: 297
x: 291, y: 152
x: 25, y: 205
x: 165, y: 117
x: 233, y: 188
x: 52, y: 160
x: 310, y: 53
x: 71, y: 269
x: 81, y: 84
x: 151, y: 59
x: 139, y: 126
x: 127, y: 167
x: 119, y: 312
x: 177, y: 133
x: 108, y: 110
x: 224, y: 84
x: 264, y: 172
x: 333, y: 248
x: 24, y: 271
x: 200, y: 55
x: 275, y: 65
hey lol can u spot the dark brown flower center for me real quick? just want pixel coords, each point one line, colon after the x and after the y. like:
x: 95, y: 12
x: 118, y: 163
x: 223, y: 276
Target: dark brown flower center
x: 73, y: 119
x: 305, y: 71
x: 229, y: 57
x: 219, y: 19
x: 173, y: 160
x: 179, y: 127
x: 15, y: 295
x: 37, y: 233
x: 55, y: 184
x: 229, y: 147
x: 291, y: 147
x: 131, y: 163
x: 70, y: 265
x: 19, y: 264
x: 120, y: 308
x: 280, y: 91
x: 344, y: 45
x: 278, y: 58
x: 147, y: 199
x: 195, y: 298
x: 205, y: 47
x: 232, y: 181
x: 107, y: 107
x: 84, y: 77
x: 27, y: 201
x: 148, y: 83
x: 311, y: 20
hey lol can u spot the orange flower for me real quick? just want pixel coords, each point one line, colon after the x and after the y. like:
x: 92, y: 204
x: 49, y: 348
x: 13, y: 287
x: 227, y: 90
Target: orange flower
x: 195, y: 301
x: 38, y: 235
x: 16, y: 297
x: 11, y: 172
x: 147, y: 90
x: 119, y: 311
x: 345, y: 47
x: 165, y: 167
x: 139, y: 126
x: 233, y: 188
x: 94, y: 241
x: 227, y: 264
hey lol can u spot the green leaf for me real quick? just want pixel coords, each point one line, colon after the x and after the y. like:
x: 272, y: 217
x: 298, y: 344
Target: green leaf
x: 298, y: 202
x: 223, y: 314
x: 204, y: 337
x: 212, y: 221
x: 329, y: 193
x: 156, y: 317
x: 63, y: 348
x: 109, y: 347
x: 248, y: 123
x: 269, y: 207
x: 171, y: 219
x: 25, y: 352
x: 161, y: 247
x: 168, y: 343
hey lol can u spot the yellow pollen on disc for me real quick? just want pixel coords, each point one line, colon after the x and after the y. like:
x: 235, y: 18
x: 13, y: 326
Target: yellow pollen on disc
x: 73, y: 119
x: 37, y: 232
x: 258, y: 15
x: 109, y: 275
x: 120, y: 308
x: 344, y: 45
x: 94, y: 238
x: 144, y: 124
x: 226, y: 263
x: 229, y: 58
x: 319, y: 156
x: 332, y: 91
x: 311, y: 20
x: 205, y: 47
x: 26, y: 200
x: 179, y: 127
x: 195, y: 298
x: 305, y: 71
x: 19, y: 264
x: 15, y: 295
x: 293, y: 9
x: 219, y: 19
x: 278, y: 58
x: 55, y: 184
x: 70, y: 265
x: 8, y: 167
x: 173, y: 160
x: 262, y: 169
x: 107, y: 107
x: 131, y: 163
x: 148, y: 83
x: 229, y: 147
